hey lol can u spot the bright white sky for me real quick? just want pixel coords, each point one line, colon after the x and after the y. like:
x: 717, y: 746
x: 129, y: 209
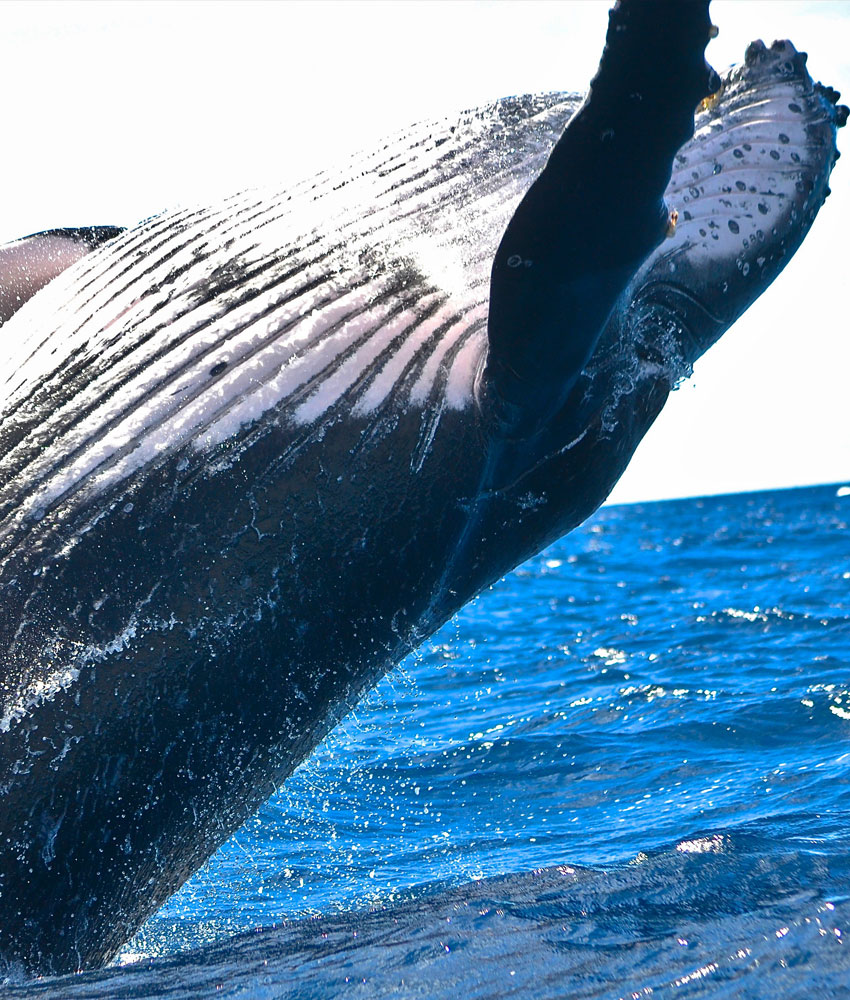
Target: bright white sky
x: 116, y: 110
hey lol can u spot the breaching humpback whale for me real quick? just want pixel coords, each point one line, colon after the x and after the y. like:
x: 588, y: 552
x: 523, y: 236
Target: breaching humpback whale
x: 251, y: 455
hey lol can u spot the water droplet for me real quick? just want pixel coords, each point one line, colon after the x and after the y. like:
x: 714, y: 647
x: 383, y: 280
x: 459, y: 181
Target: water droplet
x: 733, y: 226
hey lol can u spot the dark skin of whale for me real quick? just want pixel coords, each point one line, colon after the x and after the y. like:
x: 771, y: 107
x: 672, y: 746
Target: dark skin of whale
x: 312, y: 565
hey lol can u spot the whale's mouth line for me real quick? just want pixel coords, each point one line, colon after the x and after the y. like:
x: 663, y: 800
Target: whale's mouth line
x: 663, y: 320
x: 679, y: 292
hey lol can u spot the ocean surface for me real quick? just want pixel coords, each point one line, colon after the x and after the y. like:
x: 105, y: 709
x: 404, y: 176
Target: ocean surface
x: 622, y: 772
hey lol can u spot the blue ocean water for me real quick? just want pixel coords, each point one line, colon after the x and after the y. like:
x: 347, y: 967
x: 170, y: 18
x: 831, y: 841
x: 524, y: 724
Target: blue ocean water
x: 622, y: 772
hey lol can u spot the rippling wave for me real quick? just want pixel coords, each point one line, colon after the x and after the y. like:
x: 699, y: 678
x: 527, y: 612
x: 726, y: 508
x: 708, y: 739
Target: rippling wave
x: 622, y: 772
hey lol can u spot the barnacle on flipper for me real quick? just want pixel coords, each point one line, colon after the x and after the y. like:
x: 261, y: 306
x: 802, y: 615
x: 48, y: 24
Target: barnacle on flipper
x: 707, y: 103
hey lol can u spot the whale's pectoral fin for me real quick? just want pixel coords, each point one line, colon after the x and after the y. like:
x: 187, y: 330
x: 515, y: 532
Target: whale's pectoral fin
x: 596, y: 211
x: 747, y: 188
x: 28, y: 264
